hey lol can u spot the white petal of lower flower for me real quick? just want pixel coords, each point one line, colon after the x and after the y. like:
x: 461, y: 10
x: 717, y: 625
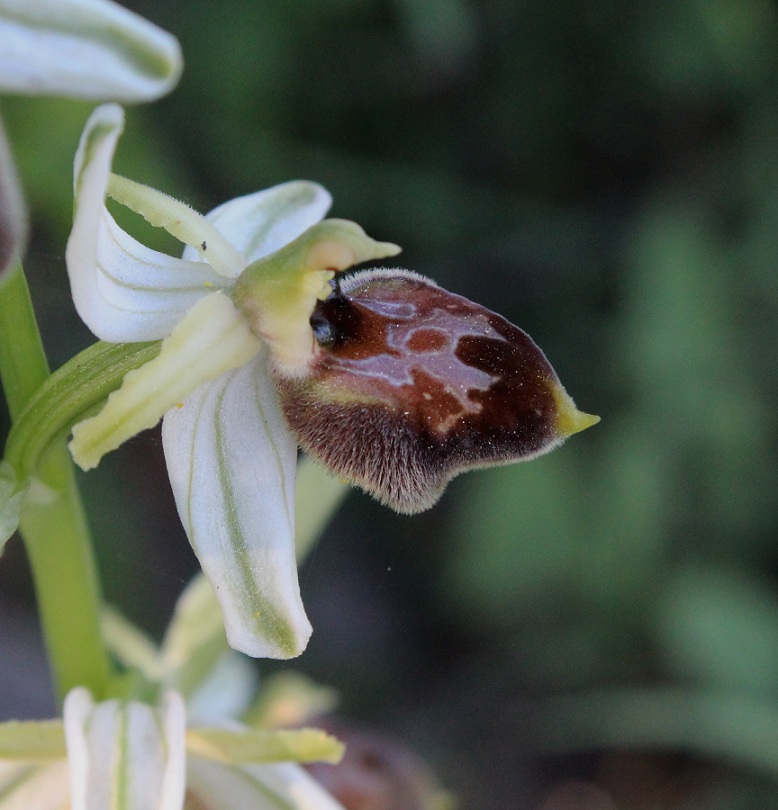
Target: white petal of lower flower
x: 126, y: 754
x: 212, y: 338
x: 91, y: 49
x: 123, y: 291
x: 263, y: 222
x: 214, y: 786
x: 34, y: 785
x: 231, y: 462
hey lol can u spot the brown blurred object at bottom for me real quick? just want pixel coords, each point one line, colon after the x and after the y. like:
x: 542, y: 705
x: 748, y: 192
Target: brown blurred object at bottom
x: 378, y: 774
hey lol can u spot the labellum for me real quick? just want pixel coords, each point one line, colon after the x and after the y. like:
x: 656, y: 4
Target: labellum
x: 411, y: 385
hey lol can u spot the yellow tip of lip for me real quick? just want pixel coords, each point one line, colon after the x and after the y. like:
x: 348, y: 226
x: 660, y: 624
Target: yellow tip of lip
x: 569, y: 419
x: 579, y: 421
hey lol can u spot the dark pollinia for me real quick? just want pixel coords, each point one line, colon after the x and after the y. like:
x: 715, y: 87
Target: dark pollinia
x: 412, y: 385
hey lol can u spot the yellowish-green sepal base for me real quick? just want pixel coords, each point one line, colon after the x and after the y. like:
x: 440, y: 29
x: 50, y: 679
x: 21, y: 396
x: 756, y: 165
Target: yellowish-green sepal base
x: 278, y: 293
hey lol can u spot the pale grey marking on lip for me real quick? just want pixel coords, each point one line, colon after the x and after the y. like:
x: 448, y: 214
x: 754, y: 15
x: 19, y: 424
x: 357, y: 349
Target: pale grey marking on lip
x: 454, y: 376
x: 400, y: 310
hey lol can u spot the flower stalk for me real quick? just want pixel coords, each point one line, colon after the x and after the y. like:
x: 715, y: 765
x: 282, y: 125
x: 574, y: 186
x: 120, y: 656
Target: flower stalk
x: 53, y: 525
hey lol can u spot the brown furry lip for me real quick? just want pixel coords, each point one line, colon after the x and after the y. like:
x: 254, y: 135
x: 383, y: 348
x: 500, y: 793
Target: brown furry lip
x: 413, y: 385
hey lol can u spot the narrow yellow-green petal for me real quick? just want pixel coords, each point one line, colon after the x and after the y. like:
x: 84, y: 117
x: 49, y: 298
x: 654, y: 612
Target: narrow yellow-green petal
x: 212, y: 338
x: 179, y: 220
x: 253, y: 746
x: 124, y: 291
x: 32, y: 740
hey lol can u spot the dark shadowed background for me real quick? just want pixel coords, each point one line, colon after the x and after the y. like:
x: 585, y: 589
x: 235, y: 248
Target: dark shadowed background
x: 605, y: 175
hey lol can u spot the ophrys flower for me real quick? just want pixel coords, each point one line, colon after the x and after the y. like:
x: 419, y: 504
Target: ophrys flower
x: 230, y: 455
x: 396, y: 384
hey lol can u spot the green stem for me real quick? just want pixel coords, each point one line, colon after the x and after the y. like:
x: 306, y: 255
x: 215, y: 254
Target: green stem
x: 53, y: 525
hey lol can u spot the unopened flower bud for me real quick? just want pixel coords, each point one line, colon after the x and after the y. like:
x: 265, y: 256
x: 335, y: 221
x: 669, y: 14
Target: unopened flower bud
x: 412, y: 385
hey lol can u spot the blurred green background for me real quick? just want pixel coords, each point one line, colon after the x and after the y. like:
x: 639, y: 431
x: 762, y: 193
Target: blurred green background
x: 605, y: 175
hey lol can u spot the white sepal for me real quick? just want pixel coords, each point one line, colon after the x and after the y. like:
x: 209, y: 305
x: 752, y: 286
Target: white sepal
x: 123, y: 291
x: 126, y: 754
x: 90, y: 49
x: 231, y: 462
x: 212, y: 338
x: 284, y: 786
x: 265, y: 221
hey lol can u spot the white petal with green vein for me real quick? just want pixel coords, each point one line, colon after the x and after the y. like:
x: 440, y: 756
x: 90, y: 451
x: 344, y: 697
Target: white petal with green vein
x: 123, y: 291
x: 263, y: 222
x: 126, y: 755
x: 231, y: 462
x: 91, y: 49
x: 212, y: 338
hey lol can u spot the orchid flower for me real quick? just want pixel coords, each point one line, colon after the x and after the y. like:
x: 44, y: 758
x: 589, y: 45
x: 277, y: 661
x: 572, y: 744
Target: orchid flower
x: 230, y: 455
x: 89, y: 49
x: 184, y: 750
x: 396, y: 384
